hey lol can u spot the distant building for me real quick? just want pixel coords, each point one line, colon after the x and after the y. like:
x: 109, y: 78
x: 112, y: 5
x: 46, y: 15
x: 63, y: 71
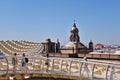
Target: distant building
x: 99, y: 46
x: 51, y: 47
x: 74, y: 46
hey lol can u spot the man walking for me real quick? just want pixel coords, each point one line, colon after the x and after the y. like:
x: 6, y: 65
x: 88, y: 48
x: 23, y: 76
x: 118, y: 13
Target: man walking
x: 14, y: 63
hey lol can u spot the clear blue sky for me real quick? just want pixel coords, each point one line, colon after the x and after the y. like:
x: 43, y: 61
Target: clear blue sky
x: 36, y: 20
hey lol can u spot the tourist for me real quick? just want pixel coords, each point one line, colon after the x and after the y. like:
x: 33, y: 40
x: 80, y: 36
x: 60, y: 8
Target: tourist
x: 47, y: 62
x: 1, y: 53
x: 43, y: 54
x: 86, y: 66
x: 14, y: 62
x: 47, y: 55
x: 23, y: 62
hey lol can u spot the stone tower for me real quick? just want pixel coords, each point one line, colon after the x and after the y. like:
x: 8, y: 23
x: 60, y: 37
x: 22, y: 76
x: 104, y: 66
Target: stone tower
x: 74, y: 36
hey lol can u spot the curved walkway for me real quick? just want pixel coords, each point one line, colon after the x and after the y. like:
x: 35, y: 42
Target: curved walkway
x: 92, y: 69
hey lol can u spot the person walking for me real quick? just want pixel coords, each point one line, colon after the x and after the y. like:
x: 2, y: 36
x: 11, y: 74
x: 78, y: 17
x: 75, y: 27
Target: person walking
x: 47, y: 62
x: 1, y: 53
x: 23, y: 63
x: 14, y: 62
x: 86, y: 67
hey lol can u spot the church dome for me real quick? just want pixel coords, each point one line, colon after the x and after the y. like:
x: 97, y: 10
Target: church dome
x: 69, y: 45
x: 74, y: 28
x: 72, y: 45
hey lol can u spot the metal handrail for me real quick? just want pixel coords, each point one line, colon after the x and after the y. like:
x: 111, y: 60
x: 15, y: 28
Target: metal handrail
x: 70, y: 61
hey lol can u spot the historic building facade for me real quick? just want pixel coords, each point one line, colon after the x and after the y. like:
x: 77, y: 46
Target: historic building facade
x: 51, y: 47
x: 74, y: 46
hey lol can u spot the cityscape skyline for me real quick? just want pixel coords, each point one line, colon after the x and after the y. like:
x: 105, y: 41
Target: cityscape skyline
x: 97, y: 20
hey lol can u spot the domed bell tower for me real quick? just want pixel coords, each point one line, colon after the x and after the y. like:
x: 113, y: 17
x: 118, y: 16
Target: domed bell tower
x: 74, y: 36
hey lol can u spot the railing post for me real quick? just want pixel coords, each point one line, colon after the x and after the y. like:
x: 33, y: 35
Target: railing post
x: 80, y: 64
x: 33, y: 63
x: 70, y: 67
x: 111, y: 73
x: 61, y: 63
x: 107, y: 69
x: 7, y: 65
x: 40, y: 63
x: 52, y: 65
x: 93, y: 72
x: 43, y: 60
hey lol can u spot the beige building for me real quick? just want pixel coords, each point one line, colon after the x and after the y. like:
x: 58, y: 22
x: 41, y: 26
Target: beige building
x: 74, y: 46
x: 51, y: 47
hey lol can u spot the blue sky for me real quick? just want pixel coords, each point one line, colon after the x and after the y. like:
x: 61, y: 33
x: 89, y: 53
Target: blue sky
x: 36, y: 20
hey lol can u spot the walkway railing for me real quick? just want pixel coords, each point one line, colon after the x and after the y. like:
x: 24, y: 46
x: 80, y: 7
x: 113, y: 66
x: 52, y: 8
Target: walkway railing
x: 92, y: 69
